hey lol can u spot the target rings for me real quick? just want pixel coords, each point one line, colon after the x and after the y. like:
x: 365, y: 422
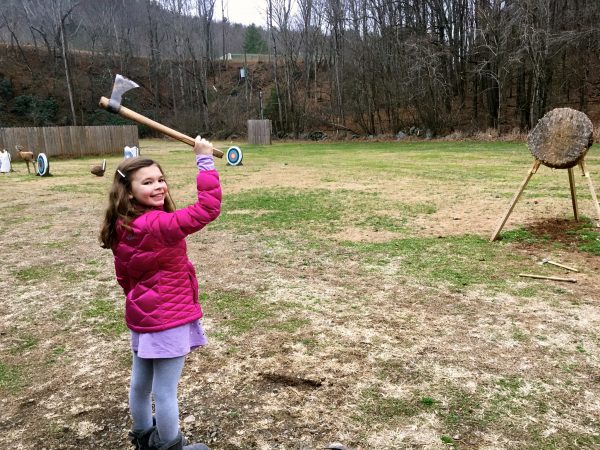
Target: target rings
x: 43, y: 166
x: 234, y: 156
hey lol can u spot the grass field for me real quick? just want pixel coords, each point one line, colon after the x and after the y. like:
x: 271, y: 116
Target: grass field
x: 350, y: 292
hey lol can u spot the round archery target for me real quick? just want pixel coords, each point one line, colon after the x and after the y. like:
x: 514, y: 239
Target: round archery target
x: 131, y: 152
x: 43, y: 166
x: 234, y: 156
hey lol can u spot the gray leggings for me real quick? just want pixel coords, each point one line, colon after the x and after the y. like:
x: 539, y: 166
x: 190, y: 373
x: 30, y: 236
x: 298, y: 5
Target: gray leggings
x: 158, y: 377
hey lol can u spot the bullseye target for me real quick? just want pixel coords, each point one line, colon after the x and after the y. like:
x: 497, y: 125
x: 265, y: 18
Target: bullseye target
x: 234, y: 156
x: 43, y: 166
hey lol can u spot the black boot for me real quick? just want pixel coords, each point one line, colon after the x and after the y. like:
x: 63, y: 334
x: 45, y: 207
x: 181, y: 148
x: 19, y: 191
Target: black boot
x: 141, y: 439
x: 179, y: 443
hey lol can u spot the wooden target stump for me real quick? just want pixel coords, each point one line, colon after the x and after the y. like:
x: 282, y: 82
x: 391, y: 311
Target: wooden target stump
x: 560, y: 140
x: 99, y: 169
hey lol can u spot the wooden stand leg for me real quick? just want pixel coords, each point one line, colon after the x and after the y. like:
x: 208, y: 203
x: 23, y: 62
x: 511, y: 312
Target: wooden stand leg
x: 573, y: 194
x: 534, y: 168
x: 586, y: 174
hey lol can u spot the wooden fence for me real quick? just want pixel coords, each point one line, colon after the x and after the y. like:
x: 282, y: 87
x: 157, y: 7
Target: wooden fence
x: 259, y: 132
x: 70, y: 141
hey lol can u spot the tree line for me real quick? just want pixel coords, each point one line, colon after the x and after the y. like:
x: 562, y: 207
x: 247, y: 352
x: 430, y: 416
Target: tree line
x: 357, y: 66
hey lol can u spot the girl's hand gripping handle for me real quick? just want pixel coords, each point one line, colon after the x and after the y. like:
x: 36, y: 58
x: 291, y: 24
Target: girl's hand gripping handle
x: 202, y: 146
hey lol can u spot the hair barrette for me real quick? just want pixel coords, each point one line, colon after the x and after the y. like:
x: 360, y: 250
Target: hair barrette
x: 121, y: 173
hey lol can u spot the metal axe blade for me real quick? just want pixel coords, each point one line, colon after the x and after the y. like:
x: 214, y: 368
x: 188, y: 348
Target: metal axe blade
x: 121, y: 86
x: 113, y: 105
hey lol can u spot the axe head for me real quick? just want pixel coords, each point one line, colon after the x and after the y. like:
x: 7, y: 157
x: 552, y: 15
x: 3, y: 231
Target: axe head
x: 121, y: 86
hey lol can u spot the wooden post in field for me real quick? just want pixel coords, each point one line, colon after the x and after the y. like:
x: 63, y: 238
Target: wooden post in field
x: 259, y: 132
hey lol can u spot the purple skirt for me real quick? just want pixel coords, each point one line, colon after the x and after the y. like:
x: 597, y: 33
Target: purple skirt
x: 170, y: 343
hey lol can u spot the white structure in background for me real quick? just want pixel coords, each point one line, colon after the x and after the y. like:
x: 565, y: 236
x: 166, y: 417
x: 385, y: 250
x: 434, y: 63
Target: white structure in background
x: 4, y: 161
x: 246, y: 57
x: 131, y: 152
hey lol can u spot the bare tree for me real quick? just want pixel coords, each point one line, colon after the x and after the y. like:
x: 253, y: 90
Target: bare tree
x: 206, y: 9
x: 61, y: 11
x: 337, y: 22
x: 535, y: 34
x: 374, y: 65
x: 494, y: 54
x: 156, y: 35
x: 9, y: 23
x: 272, y: 31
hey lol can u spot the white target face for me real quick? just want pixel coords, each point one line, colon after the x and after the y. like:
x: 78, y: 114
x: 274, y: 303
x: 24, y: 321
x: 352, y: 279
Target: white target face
x: 43, y: 166
x: 234, y: 156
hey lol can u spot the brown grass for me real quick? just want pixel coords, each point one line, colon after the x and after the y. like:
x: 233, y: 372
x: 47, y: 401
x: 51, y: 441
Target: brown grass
x: 309, y: 344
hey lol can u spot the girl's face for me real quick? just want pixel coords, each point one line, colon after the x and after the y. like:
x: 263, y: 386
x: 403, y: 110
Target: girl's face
x: 148, y: 187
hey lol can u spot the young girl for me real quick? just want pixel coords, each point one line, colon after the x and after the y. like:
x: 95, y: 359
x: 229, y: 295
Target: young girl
x: 147, y: 237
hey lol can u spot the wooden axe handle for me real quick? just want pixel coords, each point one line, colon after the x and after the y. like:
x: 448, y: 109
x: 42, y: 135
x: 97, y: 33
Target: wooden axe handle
x: 143, y: 120
x: 573, y: 269
x: 543, y: 277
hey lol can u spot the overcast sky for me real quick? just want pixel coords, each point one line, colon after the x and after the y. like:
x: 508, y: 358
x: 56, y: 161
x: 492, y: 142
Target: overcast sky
x: 243, y: 11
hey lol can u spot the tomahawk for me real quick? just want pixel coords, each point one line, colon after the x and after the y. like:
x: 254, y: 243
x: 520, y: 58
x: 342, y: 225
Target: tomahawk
x: 113, y: 105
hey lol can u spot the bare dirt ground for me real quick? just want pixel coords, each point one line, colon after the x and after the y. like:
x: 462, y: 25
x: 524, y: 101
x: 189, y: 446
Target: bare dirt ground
x: 376, y: 359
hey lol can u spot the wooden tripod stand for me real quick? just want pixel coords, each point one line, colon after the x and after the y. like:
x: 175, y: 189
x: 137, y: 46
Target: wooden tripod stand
x: 534, y: 168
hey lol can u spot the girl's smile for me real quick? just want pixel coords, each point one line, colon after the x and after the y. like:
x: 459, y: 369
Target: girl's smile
x: 148, y: 187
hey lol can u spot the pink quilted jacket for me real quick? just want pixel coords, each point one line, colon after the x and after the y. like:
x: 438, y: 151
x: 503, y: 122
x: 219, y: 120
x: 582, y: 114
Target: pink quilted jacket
x: 152, y: 266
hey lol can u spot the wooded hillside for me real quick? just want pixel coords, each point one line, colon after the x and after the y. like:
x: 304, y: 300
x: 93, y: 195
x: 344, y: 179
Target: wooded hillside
x: 355, y: 66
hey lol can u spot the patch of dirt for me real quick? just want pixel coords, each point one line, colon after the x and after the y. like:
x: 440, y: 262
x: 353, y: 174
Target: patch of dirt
x: 356, y: 234
x: 563, y: 231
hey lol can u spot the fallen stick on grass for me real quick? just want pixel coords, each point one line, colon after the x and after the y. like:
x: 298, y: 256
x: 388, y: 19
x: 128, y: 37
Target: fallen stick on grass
x: 543, y: 277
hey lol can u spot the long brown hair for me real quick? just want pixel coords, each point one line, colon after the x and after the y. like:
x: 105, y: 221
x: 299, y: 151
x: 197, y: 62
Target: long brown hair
x: 120, y: 206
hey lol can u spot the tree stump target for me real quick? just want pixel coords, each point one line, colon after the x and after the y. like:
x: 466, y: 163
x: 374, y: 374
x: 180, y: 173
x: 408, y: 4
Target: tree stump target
x: 560, y: 140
